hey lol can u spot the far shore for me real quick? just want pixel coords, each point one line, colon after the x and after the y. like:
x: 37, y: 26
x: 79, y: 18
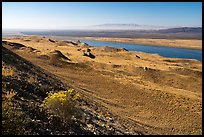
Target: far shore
x: 176, y: 43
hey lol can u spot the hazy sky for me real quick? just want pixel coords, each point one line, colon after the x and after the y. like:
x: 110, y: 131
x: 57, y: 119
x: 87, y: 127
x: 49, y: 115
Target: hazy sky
x: 59, y: 15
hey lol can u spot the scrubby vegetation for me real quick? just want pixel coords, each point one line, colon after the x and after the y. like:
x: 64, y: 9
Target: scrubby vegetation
x: 7, y: 71
x: 62, y: 104
x: 14, y: 121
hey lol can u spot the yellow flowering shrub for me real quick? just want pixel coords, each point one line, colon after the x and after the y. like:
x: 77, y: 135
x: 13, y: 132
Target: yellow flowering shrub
x: 62, y: 104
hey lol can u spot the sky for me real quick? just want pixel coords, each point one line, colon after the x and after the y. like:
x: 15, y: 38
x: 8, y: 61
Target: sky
x: 61, y: 15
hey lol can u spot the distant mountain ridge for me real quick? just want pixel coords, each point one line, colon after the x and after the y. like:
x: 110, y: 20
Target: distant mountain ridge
x: 182, y: 29
x: 128, y: 27
x: 120, y: 30
x: 138, y: 27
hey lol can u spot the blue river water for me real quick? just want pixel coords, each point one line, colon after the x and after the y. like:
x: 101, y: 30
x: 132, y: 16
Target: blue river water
x: 163, y: 51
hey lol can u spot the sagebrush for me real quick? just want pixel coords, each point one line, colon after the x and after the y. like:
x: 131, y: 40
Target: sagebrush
x: 62, y: 104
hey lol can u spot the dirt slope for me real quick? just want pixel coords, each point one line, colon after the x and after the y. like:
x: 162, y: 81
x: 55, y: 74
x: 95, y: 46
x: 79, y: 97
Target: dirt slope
x: 32, y: 85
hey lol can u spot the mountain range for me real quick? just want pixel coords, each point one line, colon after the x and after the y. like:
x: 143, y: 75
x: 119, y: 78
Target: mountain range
x: 117, y: 30
x: 137, y: 27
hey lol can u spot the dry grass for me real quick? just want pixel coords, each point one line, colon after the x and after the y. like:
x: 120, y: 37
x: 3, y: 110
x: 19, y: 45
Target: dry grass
x: 32, y: 79
x: 8, y: 70
x: 9, y: 95
x: 61, y: 43
x: 14, y: 121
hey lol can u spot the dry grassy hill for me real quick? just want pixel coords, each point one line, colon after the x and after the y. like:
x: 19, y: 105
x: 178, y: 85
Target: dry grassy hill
x: 125, y: 92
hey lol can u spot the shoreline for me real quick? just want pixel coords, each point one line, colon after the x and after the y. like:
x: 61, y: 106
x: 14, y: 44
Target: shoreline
x: 62, y: 38
x: 174, y: 43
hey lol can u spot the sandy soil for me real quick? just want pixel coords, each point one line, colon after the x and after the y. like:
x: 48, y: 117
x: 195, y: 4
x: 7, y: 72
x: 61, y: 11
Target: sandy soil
x: 162, y: 95
x: 176, y: 43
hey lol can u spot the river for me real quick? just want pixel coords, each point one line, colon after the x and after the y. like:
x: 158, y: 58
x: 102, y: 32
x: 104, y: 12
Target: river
x: 169, y: 52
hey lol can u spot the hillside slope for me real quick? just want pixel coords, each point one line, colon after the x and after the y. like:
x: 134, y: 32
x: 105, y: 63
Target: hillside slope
x: 124, y: 92
x: 32, y: 84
